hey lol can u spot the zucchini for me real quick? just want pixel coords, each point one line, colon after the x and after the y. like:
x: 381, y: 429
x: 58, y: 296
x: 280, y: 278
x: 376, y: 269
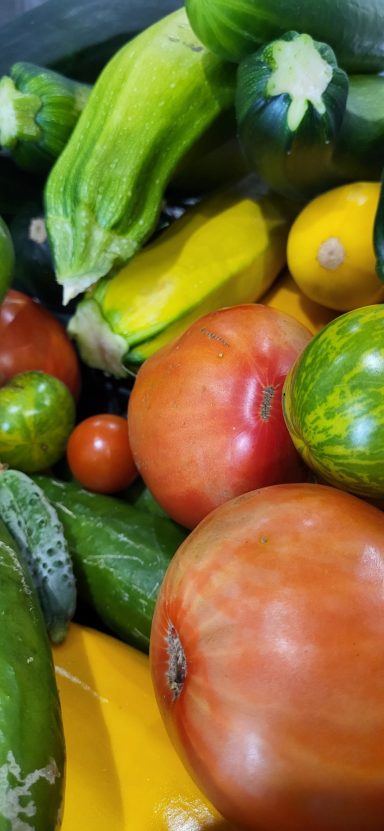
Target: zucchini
x: 38, y: 111
x: 378, y: 233
x: 227, y: 249
x: 77, y: 37
x: 357, y: 153
x: 236, y: 28
x: 7, y: 259
x: 35, y: 526
x: 290, y: 102
x: 33, y: 271
x: 32, y: 747
x: 119, y: 553
x: 152, y: 101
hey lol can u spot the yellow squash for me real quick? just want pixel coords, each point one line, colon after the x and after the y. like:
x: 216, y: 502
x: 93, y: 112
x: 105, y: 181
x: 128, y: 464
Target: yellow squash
x: 122, y: 771
x: 227, y: 249
x: 330, y: 249
x: 286, y: 296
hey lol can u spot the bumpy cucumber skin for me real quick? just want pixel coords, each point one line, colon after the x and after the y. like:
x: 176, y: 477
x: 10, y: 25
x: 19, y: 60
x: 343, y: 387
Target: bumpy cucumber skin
x: 32, y: 747
x: 38, y: 532
x: 236, y: 28
x: 153, y: 100
x: 120, y: 554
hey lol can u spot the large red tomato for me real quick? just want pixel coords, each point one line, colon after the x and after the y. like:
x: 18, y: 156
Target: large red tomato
x: 32, y: 338
x: 205, y: 414
x: 267, y: 656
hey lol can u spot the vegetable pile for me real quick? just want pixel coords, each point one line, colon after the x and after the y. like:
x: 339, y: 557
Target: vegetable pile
x: 191, y: 416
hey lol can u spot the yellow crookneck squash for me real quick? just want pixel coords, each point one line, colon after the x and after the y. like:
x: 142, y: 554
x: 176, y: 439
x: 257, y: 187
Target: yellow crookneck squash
x: 122, y: 771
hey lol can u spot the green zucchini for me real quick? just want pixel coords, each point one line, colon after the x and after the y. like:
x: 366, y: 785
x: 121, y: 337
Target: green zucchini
x: 32, y: 746
x: 119, y: 553
x: 38, y: 111
x: 153, y: 100
x: 290, y: 102
x: 77, y: 37
x: 7, y: 259
x: 35, y: 526
x: 236, y: 28
x: 357, y: 153
x: 378, y: 233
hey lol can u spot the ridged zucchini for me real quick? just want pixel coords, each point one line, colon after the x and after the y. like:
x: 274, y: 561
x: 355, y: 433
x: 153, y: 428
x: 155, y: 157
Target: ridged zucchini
x: 152, y: 101
x: 36, y: 528
x: 236, y: 28
x: 227, y: 249
x: 77, y: 37
x: 290, y: 102
x: 32, y: 745
x: 119, y: 553
x: 38, y: 111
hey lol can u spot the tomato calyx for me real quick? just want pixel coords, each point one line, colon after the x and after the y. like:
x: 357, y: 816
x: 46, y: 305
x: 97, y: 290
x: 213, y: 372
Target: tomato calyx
x: 177, y: 662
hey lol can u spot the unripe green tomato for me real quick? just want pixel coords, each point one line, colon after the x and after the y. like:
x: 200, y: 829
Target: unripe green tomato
x: 37, y: 414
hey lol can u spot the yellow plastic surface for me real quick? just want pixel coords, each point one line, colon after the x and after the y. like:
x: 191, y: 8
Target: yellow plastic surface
x: 122, y: 771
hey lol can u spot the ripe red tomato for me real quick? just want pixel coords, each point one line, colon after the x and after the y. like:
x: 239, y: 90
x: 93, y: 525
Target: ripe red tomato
x: 267, y: 657
x: 99, y: 454
x: 32, y: 338
x: 205, y: 414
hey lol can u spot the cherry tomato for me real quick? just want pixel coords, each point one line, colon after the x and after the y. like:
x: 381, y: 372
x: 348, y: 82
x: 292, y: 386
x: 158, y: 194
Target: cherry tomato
x: 99, y: 454
x: 267, y: 655
x: 205, y: 415
x: 32, y: 338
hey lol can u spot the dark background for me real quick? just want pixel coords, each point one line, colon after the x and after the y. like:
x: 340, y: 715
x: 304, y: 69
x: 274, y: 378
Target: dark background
x: 11, y: 8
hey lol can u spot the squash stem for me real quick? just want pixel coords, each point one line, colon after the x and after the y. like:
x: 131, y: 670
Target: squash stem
x: 18, y: 112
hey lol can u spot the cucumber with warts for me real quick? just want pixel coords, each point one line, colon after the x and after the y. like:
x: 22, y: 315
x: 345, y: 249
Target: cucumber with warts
x: 38, y: 532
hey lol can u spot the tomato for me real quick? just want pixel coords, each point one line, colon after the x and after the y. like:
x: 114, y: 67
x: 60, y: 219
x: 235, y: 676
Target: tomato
x: 267, y: 658
x: 333, y: 402
x: 32, y: 338
x: 99, y: 454
x: 37, y: 414
x: 205, y: 416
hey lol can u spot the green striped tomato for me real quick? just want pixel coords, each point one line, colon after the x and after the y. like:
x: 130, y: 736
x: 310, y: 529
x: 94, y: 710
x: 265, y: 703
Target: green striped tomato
x: 37, y: 414
x: 333, y: 402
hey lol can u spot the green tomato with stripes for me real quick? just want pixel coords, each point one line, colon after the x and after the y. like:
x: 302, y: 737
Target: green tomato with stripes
x: 37, y: 414
x: 333, y: 402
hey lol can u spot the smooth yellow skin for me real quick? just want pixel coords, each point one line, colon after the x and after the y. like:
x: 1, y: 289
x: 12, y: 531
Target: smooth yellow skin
x: 330, y: 251
x: 286, y: 296
x: 122, y: 771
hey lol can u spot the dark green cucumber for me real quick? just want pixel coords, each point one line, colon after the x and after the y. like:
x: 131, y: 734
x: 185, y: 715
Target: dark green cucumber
x: 7, y: 259
x: 77, y: 37
x: 119, y: 554
x: 38, y: 532
x: 154, y: 99
x: 378, y: 233
x: 32, y: 747
x: 38, y: 111
x: 290, y: 103
x: 236, y: 28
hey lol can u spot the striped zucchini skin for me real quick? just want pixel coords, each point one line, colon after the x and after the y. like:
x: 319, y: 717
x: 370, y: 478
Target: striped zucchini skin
x: 32, y: 747
x: 233, y: 29
x: 152, y: 101
x: 333, y: 402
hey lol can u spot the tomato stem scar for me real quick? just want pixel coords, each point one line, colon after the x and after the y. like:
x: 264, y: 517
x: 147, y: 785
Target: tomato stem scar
x: 177, y: 662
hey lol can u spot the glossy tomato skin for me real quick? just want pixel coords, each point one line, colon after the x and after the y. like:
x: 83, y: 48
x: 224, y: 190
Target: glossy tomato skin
x: 99, y: 454
x: 275, y: 697
x: 32, y: 338
x: 205, y: 415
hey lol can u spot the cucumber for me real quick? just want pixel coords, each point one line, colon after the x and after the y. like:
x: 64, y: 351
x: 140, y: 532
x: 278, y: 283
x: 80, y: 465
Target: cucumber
x: 35, y: 526
x: 32, y: 746
x: 153, y: 100
x: 77, y: 37
x: 236, y: 28
x: 119, y: 553
x: 7, y: 259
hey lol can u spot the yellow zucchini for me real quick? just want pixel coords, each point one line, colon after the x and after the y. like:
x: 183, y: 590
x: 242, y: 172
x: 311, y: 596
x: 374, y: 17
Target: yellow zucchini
x: 227, y: 249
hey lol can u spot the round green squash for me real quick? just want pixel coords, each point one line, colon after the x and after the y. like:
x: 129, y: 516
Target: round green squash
x: 333, y: 402
x: 37, y: 414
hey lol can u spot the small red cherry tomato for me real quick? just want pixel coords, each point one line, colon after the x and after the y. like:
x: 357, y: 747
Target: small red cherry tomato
x: 99, y: 454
